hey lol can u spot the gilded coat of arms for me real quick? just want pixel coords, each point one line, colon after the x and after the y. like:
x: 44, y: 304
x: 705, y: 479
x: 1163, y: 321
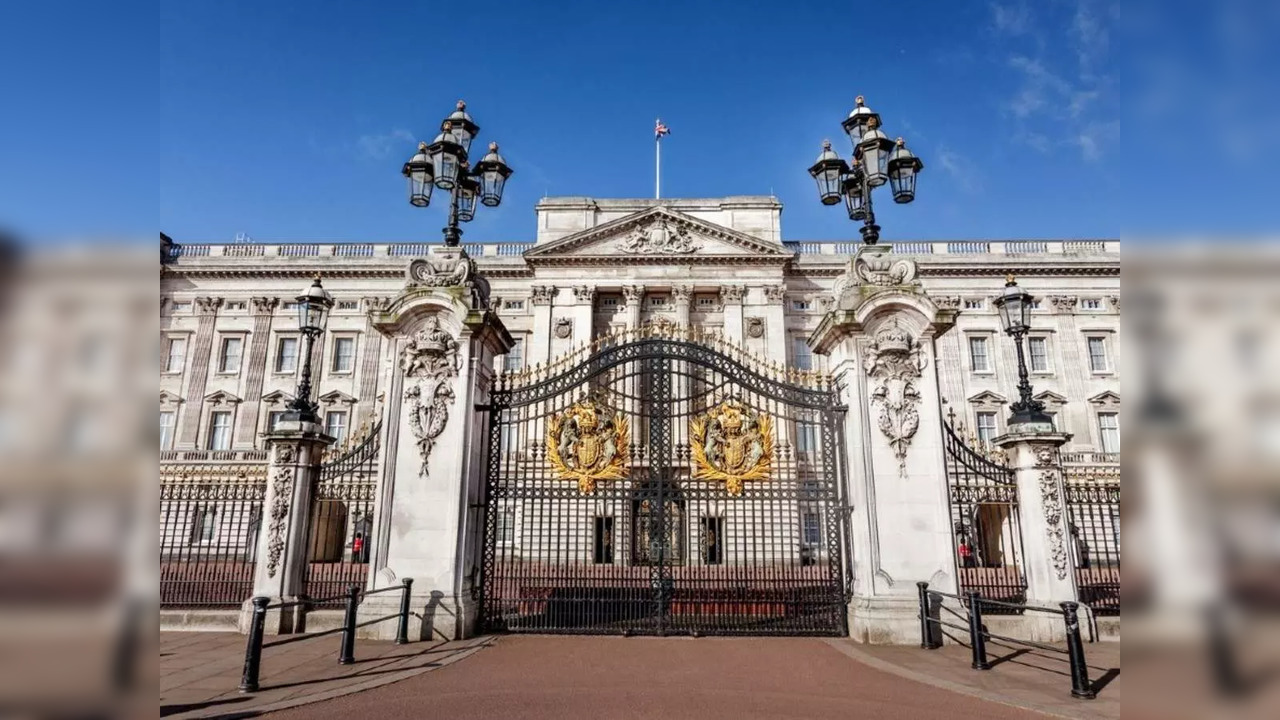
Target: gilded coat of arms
x: 587, y: 445
x: 732, y: 444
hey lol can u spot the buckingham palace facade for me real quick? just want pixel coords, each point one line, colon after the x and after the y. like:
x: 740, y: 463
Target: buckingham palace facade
x: 655, y: 414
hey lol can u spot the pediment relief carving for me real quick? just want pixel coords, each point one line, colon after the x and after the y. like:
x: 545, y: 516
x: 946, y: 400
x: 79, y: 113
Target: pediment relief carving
x: 1106, y: 399
x: 1049, y: 397
x: 277, y: 397
x: 656, y: 234
x: 337, y: 397
x: 986, y: 398
x: 168, y: 398
x: 221, y: 397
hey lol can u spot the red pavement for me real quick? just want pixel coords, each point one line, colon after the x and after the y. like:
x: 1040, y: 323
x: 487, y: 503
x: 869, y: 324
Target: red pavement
x: 706, y: 678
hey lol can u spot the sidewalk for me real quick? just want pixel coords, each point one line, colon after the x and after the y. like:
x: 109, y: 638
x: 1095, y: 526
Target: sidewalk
x: 1023, y: 677
x: 200, y: 672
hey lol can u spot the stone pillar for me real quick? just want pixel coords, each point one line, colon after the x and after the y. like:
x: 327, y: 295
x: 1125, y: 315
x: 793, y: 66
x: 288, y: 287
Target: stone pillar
x: 201, y: 359
x: 880, y: 343
x: 584, y: 299
x: 1042, y: 515
x: 731, y: 297
x: 540, y: 342
x: 682, y: 295
x: 434, y: 519
x: 293, y: 451
x: 776, y: 344
x: 634, y: 295
x: 366, y: 412
x: 246, y: 435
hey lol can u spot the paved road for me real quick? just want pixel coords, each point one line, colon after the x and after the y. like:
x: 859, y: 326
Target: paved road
x: 607, y: 677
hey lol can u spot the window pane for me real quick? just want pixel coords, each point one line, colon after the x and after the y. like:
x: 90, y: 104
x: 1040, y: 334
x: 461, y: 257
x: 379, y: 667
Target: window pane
x: 220, y: 430
x: 273, y: 419
x: 166, y: 430
x: 287, y: 355
x: 344, y: 354
x: 806, y: 437
x: 1039, y: 351
x: 986, y: 426
x: 230, y: 355
x: 1097, y: 354
x: 335, y: 424
x: 1109, y: 432
x: 801, y: 356
x: 176, y: 356
x: 514, y: 359
x: 812, y: 528
x: 978, y: 354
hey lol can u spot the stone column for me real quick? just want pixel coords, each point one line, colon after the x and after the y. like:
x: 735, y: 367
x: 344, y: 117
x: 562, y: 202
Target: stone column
x: 683, y: 297
x: 634, y: 295
x: 246, y: 435
x: 366, y: 395
x: 880, y: 343
x: 434, y: 514
x: 540, y: 342
x: 776, y: 345
x: 731, y: 297
x: 1042, y: 514
x: 584, y: 299
x: 201, y: 359
x: 293, y: 451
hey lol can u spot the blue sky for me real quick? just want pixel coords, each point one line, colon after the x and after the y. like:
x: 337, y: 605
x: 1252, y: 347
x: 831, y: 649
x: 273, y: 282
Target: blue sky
x: 290, y: 120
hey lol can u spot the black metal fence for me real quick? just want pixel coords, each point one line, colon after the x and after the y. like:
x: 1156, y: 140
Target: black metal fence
x: 654, y: 542
x: 341, y: 521
x: 1093, y: 523
x: 210, y: 517
x: 986, y: 528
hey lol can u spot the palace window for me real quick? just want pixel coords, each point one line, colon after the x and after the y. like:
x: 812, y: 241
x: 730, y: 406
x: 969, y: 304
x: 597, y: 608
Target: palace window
x: 180, y: 307
x: 335, y: 424
x: 806, y: 437
x: 220, y: 430
x: 711, y: 540
x: 706, y: 301
x: 506, y: 526
x: 602, y: 541
x: 974, y: 303
x: 513, y: 305
x: 800, y: 305
x: 346, y: 304
x: 1091, y: 304
x: 287, y: 355
x: 344, y: 354
x: 811, y: 529
x: 235, y: 305
x: 1109, y: 431
x: 1038, y: 350
x: 274, y: 418
x: 986, y: 427
x: 657, y: 301
x: 513, y: 361
x: 204, y: 525
x: 1099, y: 361
x: 229, y: 359
x: 509, y: 436
x: 609, y: 301
x: 289, y: 305
x: 166, y: 429
x: 801, y: 357
x: 979, y: 360
x: 175, y: 357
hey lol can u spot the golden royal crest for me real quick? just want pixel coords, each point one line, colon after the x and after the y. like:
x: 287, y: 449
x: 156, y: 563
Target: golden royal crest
x: 732, y: 444
x: 586, y: 445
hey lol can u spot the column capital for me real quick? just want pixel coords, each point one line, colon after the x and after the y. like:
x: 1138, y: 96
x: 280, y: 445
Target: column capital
x: 774, y: 293
x: 264, y: 305
x: 543, y: 294
x: 584, y: 294
x: 208, y: 305
x: 633, y: 293
x: 733, y: 293
x: 682, y: 294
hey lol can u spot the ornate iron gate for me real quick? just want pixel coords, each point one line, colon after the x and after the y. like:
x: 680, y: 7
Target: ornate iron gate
x: 1092, y: 484
x: 342, y: 519
x: 661, y: 482
x: 986, y: 531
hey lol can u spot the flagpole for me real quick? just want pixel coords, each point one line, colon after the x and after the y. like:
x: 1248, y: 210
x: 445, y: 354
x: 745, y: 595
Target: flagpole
x: 657, y: 164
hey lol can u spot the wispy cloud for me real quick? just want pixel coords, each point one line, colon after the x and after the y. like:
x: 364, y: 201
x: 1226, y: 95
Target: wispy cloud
x: 961, y: 169
x: 1011, y: 19
x: 1093, y: 138
x: 1089, y: 35
x: 379, y: 146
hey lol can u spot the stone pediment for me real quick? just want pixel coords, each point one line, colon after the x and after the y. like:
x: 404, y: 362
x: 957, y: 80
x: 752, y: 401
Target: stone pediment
x: 658, y: 235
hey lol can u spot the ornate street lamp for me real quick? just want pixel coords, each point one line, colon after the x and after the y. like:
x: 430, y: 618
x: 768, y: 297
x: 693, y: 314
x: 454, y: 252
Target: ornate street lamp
x: 1014, y: 305
x: 313, y: 313
x: 876, y: 160
x: 444, y: 164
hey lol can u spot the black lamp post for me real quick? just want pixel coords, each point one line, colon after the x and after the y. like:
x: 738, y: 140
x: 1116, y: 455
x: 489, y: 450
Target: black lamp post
x: 876, y: 160
x: 313, y: 312
x: 1014, y: 305
x: 445, y: 164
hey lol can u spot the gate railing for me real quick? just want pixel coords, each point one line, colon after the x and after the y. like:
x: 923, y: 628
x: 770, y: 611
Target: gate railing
x: 1092, y: 492
x: 210, y: 517
x: 986, y: 528
x: 341, y: 520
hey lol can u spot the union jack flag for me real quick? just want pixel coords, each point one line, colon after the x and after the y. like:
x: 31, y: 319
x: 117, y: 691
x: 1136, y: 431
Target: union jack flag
x: 659, y: 129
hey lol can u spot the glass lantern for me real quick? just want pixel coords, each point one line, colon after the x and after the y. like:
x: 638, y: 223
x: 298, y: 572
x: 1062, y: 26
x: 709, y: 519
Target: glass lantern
x: 493, y: 173
x: 419, y: 173
x: 829, y: 172
x: 903, y: 168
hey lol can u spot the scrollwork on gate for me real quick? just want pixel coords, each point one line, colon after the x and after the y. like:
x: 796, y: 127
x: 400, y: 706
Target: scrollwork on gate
x: 587, y: 445
x: 732, y: 444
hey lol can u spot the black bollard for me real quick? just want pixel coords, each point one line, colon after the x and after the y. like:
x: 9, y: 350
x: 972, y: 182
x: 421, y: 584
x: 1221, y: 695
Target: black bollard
x: 977, y: 636
x: 1080, y: 687
x: 347, y: 655
x: 926, y: 633
x: 253, y: 649
x: 402, y: 630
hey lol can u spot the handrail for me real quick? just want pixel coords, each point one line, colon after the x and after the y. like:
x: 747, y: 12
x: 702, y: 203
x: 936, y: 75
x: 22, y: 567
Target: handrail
x: 930, y: 619
x: 249, y: 678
